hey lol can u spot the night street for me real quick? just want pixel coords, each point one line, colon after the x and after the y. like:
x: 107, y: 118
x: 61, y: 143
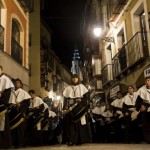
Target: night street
x: 75, y: 74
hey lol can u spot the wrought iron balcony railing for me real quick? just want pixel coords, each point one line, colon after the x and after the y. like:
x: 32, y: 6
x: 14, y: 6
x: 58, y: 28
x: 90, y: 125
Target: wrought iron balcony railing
x: 2, y: 37
x: 16, y: 51
x: 131, y: 54
x: 107, y: 75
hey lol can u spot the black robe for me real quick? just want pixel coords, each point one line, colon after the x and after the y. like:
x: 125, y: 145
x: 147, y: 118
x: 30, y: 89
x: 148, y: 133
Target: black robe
x: 143, y: 119
x: 75, y: 132
x: 5, y: 136
x: 18, y: 133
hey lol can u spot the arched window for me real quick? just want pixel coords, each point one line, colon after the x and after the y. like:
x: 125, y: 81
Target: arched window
x: 16, y: 49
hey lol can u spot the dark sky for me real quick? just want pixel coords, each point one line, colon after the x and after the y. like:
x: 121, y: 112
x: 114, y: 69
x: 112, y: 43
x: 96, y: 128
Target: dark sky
x: 64, y: 19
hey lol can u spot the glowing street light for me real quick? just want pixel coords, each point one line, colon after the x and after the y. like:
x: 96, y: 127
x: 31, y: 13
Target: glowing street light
x: 97, y: 31
x: 58, y: 98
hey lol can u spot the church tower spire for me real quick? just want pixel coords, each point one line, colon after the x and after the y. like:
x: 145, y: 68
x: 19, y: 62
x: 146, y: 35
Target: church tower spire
x: 76, y: 63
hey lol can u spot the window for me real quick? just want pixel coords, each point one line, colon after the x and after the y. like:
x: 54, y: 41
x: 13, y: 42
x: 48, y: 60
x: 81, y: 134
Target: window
x: 143, y: 28
x: 121, y: 39
x: 15, y: 32
x: 139, y: 26
x: 138, y: 18
x: 16, y: 49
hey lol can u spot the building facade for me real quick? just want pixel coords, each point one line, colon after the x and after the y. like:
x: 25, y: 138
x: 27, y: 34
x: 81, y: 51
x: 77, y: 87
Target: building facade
x: 14, y: 38
x: 34, y: 55
x: 124, y: 44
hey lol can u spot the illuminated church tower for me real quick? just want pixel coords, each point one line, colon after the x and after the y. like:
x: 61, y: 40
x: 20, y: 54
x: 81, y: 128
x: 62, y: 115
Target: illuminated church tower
x: 76, y: 64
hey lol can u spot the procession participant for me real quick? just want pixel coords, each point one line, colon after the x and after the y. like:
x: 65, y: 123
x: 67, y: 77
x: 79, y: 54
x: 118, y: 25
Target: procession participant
x: 108, y: 131
x: 129, y: 101
x: 37, y: 105
x: 107, y: 114
x: 48, y: 101
x: 118, y: 115
x: 20, y: 101
x: 51, y: 113
x: 45, y: 125
x: 44, y: 122
x: 92, y: 121
x: 99, y: 108
x: 55, y: 128
x: 144, y: 107
x: 99, y: 122
x: 76, y: 132
x: 51, y: 126
x: 5, y: 89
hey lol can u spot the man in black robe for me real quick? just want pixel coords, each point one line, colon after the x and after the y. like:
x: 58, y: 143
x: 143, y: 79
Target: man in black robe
x: 5, y: 89
x: 117, y: 107
x: 35, y: 118
x: 143, y: 107
x: 20, y: 101
x: 130, y: 127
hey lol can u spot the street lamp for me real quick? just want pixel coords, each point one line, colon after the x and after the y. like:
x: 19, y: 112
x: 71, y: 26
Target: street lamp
x: 58, y: 97
x: 97, y: 31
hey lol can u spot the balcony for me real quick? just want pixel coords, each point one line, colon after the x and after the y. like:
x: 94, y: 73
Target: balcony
x: 114, y: 7
x: 107, y: 75
x: 16, y: 51
x: 1, y: 38
x: 130, y: 55
x: 27, y: 5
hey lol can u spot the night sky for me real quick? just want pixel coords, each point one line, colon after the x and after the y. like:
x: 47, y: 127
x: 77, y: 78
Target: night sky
x: 64, y: 19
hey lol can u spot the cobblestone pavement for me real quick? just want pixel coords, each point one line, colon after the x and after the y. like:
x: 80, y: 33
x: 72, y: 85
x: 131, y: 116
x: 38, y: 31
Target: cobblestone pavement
x: 93, y: 147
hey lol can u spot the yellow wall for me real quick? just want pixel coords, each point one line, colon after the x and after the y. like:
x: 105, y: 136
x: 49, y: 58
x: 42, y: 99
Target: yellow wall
x: 34, y: 52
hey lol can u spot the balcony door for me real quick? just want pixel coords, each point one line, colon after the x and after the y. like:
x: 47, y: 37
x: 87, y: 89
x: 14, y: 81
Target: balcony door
x: 122, y: 50
x: 143, y: 30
